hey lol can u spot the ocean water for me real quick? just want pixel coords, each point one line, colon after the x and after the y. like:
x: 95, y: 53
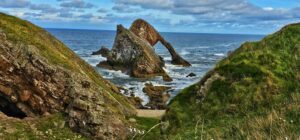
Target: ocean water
x: 203, y: 51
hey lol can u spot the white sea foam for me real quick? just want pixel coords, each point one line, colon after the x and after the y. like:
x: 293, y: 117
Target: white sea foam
x: 219, y: 54
x: 137, y: 88
x: 93, y: 59
x: 168, y: 58
x: 184, y: 52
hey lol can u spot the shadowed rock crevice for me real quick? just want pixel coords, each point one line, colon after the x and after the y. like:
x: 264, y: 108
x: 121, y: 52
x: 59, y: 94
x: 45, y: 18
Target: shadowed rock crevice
x: 144, y: 30
x: 10, y: 109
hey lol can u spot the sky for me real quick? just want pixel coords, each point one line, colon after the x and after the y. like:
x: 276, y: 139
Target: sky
x: 193, y: 16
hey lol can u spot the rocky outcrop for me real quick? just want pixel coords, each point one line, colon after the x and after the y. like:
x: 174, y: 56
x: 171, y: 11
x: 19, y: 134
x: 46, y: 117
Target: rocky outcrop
x: 136, y: 101
x: 144, y: 30
x: 157, y: 96
x: 191, y: 75
x: 39, y: 76
x: 134, y: 56
x: 104, y: 52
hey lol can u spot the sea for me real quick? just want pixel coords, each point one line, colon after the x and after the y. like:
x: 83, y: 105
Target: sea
x: 202, y: 50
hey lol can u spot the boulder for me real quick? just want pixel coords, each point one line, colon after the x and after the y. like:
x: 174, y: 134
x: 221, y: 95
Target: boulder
x: 157, y: 96
x: 104, y: 52
x: 134, y: 56
x: 146, y: 31
x: 191, y: 75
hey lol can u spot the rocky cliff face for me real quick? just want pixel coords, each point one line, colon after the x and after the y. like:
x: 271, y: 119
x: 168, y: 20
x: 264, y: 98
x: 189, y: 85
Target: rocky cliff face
x: 39, y: 76
x: 135, y: 56
x: 144, y: 30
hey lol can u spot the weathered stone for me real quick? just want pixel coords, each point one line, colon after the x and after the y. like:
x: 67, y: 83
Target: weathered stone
x: 81, y: 104
x: 24, y: 95
x: 144, y: 30
x: 5, y: 90
x: 157, y: 95
x: 134, y: 56
x: 104, y: 52
x: 86, y: 84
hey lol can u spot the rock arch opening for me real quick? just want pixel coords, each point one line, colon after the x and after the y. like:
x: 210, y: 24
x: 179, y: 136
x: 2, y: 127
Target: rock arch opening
x: 10, y: 109
x: 162, y: 52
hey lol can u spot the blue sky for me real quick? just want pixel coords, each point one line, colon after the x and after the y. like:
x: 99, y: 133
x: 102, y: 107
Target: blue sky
x: 199, y: 16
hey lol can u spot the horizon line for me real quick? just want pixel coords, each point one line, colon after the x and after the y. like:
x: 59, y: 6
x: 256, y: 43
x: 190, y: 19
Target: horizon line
x: 160, y: 32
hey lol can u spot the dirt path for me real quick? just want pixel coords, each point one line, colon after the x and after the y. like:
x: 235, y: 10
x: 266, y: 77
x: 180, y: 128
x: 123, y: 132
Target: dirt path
x: 150, y: 113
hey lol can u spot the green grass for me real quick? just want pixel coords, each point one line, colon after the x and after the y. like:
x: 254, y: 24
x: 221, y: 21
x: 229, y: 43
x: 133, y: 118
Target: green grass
x: 150, y: 127
x: 50, y: 127
x: 256, y: 97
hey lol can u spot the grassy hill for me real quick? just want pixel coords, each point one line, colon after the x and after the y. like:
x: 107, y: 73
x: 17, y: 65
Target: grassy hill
x: 254, y: 93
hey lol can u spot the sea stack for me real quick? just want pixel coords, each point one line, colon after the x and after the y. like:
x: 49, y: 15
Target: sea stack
x: 146, y: 31
x: 134, y: 56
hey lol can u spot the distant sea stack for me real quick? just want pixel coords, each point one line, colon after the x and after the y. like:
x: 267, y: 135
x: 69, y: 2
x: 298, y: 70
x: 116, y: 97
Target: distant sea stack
x: 146, y: 31
x: 40, y: 76
x: 134, y: 56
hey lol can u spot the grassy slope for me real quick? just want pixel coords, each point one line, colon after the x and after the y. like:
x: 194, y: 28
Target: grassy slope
x: 51, y: 127
x: 257, y: 97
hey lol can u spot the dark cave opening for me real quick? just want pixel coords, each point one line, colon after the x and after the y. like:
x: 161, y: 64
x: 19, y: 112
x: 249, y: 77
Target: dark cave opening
x: 10, y: 109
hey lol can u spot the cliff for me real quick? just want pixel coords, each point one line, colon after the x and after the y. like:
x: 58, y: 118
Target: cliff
x: 251, y: 94
x: 40, y: 76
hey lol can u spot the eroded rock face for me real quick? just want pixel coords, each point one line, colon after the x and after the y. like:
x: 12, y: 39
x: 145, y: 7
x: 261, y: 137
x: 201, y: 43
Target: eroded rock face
x: 35, y: 85
x: 134, y: 56
x: 144, y: 30
x: 157, y: 95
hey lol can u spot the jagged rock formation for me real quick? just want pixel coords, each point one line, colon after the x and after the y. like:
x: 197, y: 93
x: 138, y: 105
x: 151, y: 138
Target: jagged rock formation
x: 251, y: 94
x: 144, y: 30
x: 157, y: 96
x: 39, y: 76
x: 135, y: 56
x: 104, y: 52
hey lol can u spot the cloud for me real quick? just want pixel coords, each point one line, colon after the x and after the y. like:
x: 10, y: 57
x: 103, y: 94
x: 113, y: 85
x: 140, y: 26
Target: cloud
x: 102, y: 10
x: 66, y: 14
x: 76, y: 4
x: 223, y: 12
x: 89, y: 17
x: 14, y: 3
x: 122, y: 8
x: 86, y: 16
x: 44, y: 8
x: 155, y: 4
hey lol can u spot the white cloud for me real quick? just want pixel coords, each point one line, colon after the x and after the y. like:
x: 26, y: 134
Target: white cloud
x: 14, y: 3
